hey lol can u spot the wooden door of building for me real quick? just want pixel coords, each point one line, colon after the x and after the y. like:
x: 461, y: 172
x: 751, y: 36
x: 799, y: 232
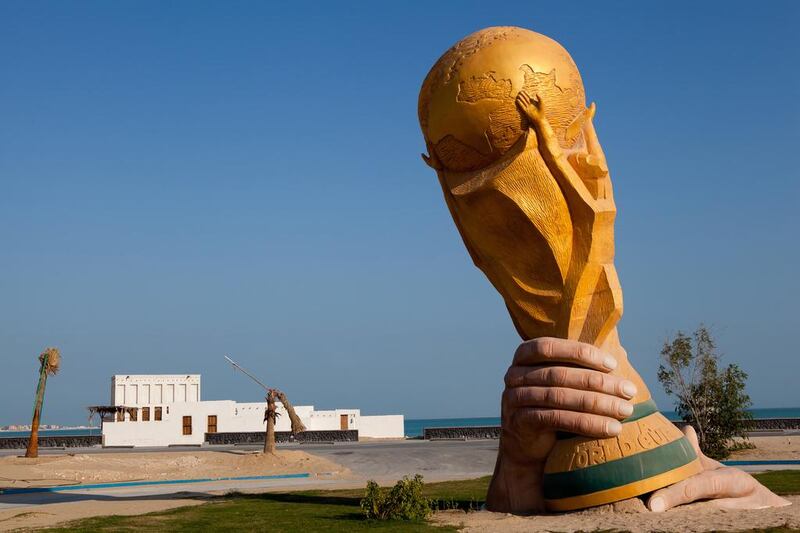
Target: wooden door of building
x: 343, y: 422
x: 212, y: 424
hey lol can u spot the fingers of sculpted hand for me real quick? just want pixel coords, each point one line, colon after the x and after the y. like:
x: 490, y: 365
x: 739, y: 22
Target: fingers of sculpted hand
x: 570, y: 377
x: 594, y: 403
x: 570, y: 421
x: 543, y: 394
x: 728, y: 487
x: 550, y: 350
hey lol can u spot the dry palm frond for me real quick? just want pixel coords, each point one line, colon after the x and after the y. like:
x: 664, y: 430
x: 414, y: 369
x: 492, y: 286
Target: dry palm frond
x: 297, y: 424
x: 103, y: 410
x: 52, y: 358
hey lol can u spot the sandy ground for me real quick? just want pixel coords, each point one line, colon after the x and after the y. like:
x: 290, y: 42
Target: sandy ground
x: 70, y: 469
x: 630, y: 515
x: 787, y: 447
x: 57, y: 513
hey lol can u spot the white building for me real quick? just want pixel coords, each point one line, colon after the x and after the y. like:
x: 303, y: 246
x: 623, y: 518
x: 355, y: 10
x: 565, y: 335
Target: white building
x: 166, y: 410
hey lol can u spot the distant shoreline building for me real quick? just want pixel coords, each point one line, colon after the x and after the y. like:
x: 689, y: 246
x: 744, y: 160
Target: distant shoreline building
x: 167, y: 410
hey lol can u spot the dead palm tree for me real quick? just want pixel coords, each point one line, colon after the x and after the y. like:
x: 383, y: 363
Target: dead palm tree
x: 297, y: 424
x: 271, y: 414
x: 271, y: 417
x: 49, y: 363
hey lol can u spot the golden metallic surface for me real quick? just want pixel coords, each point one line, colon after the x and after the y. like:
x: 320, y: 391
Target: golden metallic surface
x: 626, y: 491
x: 508, y: 132
x: 466, y: 105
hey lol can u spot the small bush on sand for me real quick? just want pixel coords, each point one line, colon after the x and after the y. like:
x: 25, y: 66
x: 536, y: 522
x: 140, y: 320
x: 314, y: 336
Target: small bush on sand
x: 404, y: 501
x: 708, y: 396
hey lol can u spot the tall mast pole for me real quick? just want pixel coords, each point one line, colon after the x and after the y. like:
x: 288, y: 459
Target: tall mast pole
x: 238, y: 367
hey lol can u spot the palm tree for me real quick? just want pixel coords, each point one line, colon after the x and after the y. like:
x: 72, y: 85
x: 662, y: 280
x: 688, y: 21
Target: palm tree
x: 49, y: 363
x: 271, y: 416
x: 271, y: 413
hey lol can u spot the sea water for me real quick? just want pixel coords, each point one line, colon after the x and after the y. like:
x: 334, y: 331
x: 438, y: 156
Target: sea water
x: 414, y: 426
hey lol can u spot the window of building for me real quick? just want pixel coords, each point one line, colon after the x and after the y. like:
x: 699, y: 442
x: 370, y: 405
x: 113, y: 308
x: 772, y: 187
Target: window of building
x: 145, y: 414
x: 212, y: 424
x: 134, y: 415
x: 157, y: 414
x: 120, y: 416
x: 187, y: 425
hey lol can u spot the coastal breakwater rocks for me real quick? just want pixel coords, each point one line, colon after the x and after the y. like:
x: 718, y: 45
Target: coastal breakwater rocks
x: 306, y: 437
x: 65, y: 441
x: 88, y: 441
x: 462, y: 433
x: 493, y: 432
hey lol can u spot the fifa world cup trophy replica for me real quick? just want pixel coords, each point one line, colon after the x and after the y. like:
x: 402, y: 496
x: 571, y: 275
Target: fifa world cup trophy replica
x: 508, y: 132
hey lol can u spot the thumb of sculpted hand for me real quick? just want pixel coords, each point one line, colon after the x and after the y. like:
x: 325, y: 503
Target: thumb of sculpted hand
x: 728, y: 487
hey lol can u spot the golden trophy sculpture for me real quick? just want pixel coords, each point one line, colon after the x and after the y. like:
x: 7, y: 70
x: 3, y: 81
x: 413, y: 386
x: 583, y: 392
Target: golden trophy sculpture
x: 504, y: 117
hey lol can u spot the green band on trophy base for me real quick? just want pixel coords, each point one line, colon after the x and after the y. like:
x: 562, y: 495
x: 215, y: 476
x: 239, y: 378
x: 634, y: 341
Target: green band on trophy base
x: 620, y: 472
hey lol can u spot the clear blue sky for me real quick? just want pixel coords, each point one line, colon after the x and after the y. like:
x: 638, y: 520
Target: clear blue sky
x: 184, y: 180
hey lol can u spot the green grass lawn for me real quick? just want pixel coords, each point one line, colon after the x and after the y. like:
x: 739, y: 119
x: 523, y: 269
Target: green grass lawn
x: 312, y: 511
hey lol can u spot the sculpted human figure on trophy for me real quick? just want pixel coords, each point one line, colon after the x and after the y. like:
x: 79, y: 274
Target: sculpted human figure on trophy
x: 508, y: 132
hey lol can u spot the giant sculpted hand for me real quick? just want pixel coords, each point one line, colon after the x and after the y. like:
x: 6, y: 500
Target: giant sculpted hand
x: 730, y: 488
x: 561, y: 385
x: 546, y: 392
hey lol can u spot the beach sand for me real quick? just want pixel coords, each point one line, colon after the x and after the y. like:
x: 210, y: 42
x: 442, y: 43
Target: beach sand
x: 71, y: 469
x: 779, y: 447
x: 630, y: 515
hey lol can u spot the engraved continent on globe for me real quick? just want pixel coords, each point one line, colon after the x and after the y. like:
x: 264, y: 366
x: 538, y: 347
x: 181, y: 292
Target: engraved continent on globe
x: 466, y: 105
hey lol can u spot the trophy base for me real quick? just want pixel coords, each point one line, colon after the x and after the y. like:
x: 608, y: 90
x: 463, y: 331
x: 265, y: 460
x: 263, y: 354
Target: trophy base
x: 650, y: 453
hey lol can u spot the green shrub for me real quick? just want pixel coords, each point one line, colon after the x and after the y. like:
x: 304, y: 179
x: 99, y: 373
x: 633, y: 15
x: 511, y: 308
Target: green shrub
x: 708, y: 396
x: 404, y: 501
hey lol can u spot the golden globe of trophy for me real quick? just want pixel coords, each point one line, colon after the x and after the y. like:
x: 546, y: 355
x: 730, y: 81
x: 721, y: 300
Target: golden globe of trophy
x: 508, y: 132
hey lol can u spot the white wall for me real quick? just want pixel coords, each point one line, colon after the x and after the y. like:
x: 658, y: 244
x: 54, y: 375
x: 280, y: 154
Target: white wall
x: 169, y: 430
x: 179, y: 396
x: 236, y: 417
x: 381, y: 426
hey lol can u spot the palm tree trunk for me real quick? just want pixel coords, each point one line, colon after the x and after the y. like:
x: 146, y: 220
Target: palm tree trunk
x: 33, y: 441
x: 270, y: 415
x: 297, y: 424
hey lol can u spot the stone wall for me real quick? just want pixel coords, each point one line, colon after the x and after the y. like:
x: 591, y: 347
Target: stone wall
x: 65, y: 441
x: 475, y: 432
x: 767, y: 424
x: 350, y: 435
